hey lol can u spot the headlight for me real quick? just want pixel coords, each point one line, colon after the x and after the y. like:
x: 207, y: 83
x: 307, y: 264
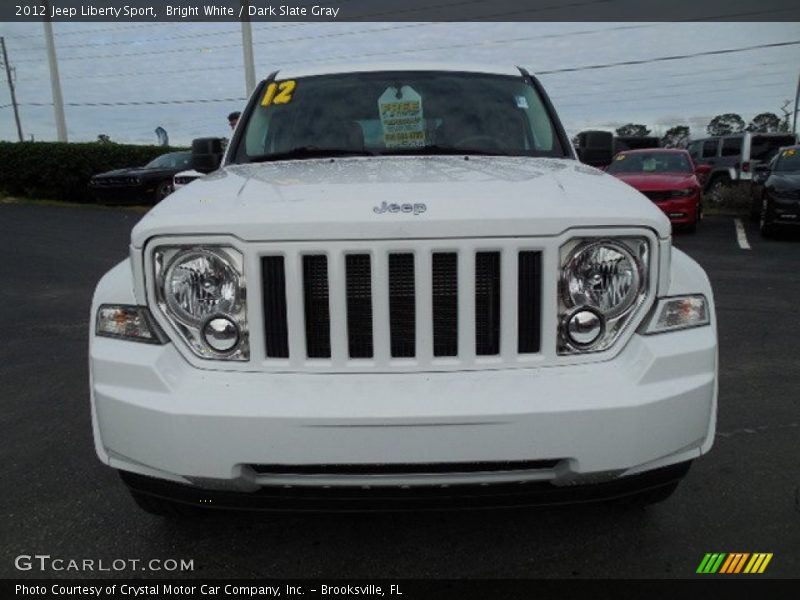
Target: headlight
x: 199, y: 288
x: 199, y: 283
x: 602, y: 283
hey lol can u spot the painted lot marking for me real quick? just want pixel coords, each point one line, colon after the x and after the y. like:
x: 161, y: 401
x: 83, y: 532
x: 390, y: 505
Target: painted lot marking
x: 741, y: 236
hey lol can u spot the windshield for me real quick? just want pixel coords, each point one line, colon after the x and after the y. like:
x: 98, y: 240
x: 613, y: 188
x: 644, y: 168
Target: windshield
x: 788, y: 160
x: 650, y: 162
x: 398, y: 113
x: 173, y: 160
x: 764, y: 147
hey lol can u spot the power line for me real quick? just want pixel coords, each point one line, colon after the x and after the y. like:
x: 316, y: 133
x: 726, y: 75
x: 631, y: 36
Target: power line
x: 294, y: 39
x: 141, y: 102
x: 312, y: 37
x: 626, y: 63
x: 694, y: 73
x: 572, y: 69
x: 643, y: 99
x: 626, y: 90
x: 242, y: 99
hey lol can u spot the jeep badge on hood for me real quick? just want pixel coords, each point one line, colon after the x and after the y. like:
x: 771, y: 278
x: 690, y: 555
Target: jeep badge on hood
x: 417, y: 208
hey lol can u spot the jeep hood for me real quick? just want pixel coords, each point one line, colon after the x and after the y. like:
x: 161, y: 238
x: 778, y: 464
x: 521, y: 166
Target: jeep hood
x: 324, y: 199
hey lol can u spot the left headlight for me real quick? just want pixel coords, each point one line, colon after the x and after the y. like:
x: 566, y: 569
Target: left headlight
x: 201, y: 291
x: 602, y: 283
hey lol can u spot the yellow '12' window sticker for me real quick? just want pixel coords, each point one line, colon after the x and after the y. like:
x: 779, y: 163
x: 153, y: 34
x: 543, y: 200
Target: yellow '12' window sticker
x: 279, y: 92
x: 789, y: 152
x: 621, y: 157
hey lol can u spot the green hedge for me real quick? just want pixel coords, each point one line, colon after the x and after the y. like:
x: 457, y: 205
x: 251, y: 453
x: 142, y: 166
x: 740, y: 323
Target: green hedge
x: 60, y: 171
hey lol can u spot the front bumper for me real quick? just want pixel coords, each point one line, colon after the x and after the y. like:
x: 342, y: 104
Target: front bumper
x: 681, y: 211
x: 783, y: 211
x: 653, y: 405
x: 352, y: 499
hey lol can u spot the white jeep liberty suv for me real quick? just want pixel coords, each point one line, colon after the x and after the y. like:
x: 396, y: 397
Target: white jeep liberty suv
x: 400, y: 288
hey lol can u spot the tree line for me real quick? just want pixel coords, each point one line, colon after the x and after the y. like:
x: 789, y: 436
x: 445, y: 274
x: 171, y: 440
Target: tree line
x: 724, y: 124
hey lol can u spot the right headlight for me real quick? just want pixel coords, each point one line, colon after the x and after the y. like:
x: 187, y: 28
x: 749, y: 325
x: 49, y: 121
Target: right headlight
x: 603, y: 281
x: 201, y: 291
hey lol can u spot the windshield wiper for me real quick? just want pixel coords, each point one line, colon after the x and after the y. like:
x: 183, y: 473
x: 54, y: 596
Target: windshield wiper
x: 446, y: 151
x: 305, y: 152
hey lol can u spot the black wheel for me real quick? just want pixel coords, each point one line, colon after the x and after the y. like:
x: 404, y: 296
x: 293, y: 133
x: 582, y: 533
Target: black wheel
x: 755, y: 210
x: 691, y: 227
x: 717, y: 188
x: 163, y: 190
x: 165, y: 508
x: 766, y: 228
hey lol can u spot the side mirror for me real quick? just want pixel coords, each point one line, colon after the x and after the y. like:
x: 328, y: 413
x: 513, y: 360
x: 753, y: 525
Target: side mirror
x: 702, y: 169
x: 596, y: 148
x: 206, y: 154
x: 761, y: 173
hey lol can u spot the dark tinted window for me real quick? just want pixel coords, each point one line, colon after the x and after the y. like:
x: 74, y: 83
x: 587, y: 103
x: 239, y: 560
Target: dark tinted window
x: 710, y: 148
x: 694, y: 149
x: 732, y: 146
x: 173, y: 160
x: 764, y: 147
x: 788, y: 160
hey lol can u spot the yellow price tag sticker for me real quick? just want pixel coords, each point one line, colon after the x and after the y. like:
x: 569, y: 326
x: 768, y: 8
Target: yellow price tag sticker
x: 789, y: 152
x: 621, y: 157
x: 279, y: 92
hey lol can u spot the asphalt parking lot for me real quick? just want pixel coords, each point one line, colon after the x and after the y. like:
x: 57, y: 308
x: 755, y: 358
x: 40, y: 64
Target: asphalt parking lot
x: 59, y: 500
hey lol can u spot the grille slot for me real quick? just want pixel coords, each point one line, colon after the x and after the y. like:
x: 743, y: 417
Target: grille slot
x: 276, y: 331
x: 487, y: 303
x: 359, y: 305
x: 529, y: 295
x: 315, y: 300
x: 658, y: 195
x: 444, y: 278
x: 402, y: 305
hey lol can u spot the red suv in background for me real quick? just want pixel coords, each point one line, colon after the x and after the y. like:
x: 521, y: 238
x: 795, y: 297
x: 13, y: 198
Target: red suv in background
x: 668, y: 177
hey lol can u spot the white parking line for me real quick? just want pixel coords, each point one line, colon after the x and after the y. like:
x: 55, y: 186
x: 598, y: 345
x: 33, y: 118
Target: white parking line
x: 741, y: 236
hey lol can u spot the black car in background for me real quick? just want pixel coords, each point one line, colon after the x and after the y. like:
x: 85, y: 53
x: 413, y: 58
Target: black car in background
x: 776, y: 191
x: 148, y: 184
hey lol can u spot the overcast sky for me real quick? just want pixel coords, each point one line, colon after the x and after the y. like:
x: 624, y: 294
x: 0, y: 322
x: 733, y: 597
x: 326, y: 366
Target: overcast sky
x: 108, y: 62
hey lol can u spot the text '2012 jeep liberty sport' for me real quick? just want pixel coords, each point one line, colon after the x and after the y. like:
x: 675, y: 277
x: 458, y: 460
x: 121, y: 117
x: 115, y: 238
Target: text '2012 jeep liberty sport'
x: 401, y: 289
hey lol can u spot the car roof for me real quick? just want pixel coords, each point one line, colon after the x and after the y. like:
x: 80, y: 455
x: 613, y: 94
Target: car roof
x: 308, y: 71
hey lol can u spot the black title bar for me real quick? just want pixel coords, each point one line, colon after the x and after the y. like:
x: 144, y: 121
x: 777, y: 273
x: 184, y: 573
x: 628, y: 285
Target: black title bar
x: 396, y: 10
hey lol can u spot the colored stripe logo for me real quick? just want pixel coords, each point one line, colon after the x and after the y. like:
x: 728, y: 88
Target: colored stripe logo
x: 734, y: 563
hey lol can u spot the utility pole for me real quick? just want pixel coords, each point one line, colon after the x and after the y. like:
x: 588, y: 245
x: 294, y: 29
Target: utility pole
x: 55, y: 81
x: 11, y: 87
x: 247, y: 48
x: 796, y: 108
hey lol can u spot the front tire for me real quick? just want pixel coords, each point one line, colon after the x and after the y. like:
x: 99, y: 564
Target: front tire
x: 717, y: 189
x: 163, y: 190
x: 766, y: 228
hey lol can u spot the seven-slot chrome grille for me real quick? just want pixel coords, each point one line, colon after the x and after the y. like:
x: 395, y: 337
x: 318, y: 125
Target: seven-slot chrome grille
x: 380, y: 306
